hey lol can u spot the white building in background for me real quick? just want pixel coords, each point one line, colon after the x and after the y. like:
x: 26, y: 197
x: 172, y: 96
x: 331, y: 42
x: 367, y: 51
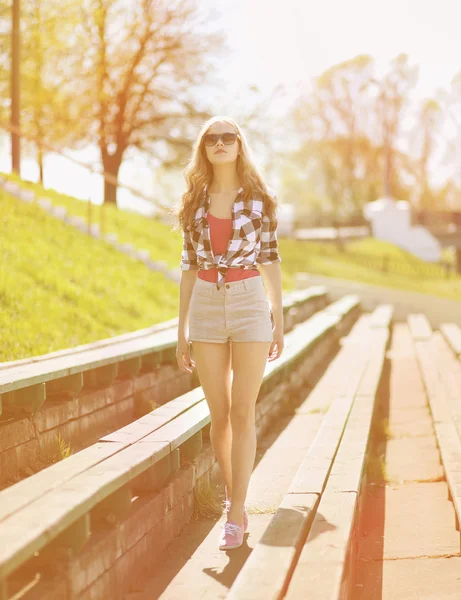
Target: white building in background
x: 391, y: 221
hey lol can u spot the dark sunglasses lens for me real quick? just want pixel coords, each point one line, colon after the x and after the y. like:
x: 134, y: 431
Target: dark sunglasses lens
x: 211, y: 139
x: 229, y: 138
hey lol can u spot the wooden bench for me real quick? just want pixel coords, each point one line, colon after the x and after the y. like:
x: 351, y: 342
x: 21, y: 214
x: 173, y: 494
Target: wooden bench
x: 305, y: 551
x: 452, y: 334
x: 92, y: 400
x: 24, y: 383
x: 53, y: 510
x: 441, y: 373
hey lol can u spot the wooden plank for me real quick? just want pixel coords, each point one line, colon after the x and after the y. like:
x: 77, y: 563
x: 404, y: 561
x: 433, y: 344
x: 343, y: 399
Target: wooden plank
x: 29, y: 374
x: 320, y: 566
x: 372, y: 376
x: 273, y: 563
x: 435, y: 372
x: 275, y: 552
x: 450, y: 450
x: 182, y: 428
x: 435, y: 392
x: 449, y: 444
x: 328, y: 542
x: 348, y: 467
x: 313, y: 472
x: 339, y: 368
x: 27, y: 531
x: 35, y: 487
x: 420, y: 328
x: 382, y: 316
x: 343, y: 305
x: 303, y: 296
x: 304, y: 335
x: 149, y: 331
x: 449, y: 369
x: 133, y: 432
x: 452, y: 334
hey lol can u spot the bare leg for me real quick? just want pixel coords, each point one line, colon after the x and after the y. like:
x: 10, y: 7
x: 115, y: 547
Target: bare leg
x: 248, y: 362
x: 213, y: 363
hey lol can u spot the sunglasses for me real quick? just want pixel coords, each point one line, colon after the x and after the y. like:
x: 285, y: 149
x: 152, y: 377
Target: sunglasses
x: 211, y: 139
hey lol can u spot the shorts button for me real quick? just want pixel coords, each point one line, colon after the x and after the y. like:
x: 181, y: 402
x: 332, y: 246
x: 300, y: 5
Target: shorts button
x: 227, y: 286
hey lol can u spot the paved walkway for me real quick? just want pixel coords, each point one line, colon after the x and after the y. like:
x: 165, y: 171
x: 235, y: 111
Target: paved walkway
x: 408, y: 544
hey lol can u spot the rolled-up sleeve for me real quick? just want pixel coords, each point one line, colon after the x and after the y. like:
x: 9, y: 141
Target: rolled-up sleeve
x: 269, y: 252
x: 188, y: 256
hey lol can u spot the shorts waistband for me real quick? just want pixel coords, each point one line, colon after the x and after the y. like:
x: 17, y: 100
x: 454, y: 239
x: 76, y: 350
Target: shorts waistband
x: 232, y: 287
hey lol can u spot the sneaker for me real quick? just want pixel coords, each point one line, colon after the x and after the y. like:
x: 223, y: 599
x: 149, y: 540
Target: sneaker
x: 231, y: 536
x: 245, y: 515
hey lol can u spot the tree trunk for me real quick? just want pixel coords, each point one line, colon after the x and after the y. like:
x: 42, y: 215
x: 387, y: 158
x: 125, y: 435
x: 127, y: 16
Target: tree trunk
x: 40, y: 163
x: 111, y: 167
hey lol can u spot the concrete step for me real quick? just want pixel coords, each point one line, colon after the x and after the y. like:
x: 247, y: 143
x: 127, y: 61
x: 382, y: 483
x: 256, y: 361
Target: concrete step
x: 408, y: 546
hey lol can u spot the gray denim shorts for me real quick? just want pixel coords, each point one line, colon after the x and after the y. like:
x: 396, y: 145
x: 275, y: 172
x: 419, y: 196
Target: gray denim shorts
x: 238, y: 312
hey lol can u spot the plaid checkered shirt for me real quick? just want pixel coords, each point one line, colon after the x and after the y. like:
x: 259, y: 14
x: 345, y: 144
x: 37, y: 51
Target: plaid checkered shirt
x: 253, y: 240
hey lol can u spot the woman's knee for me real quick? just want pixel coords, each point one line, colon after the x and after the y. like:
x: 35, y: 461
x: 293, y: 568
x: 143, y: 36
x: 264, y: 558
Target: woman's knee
x: 242, y: 416
x: 221, y: 422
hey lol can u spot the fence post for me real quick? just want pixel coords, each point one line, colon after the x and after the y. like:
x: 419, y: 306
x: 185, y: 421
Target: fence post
x: 101, y: 219
x: 458, y: 261
x: 89, y: 214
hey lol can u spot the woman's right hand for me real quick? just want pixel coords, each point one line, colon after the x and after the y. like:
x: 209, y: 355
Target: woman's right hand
x: 185, y: 362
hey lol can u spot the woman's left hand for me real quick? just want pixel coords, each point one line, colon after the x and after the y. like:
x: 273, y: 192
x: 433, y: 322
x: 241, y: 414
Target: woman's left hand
x: 277, y: 344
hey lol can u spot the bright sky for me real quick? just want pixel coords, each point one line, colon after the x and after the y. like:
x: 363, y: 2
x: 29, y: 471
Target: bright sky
x: 293, y: 40
x: 290, y: 41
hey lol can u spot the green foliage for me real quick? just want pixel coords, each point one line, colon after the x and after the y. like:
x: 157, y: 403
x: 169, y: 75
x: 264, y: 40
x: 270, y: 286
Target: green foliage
x: 48, y: 87
x: 130, y: 227
x: 65, y: 449
x: 325, y: 259
x: 60, y: 288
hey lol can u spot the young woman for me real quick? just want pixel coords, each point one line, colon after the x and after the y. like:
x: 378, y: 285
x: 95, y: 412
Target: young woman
x: 229, y: 227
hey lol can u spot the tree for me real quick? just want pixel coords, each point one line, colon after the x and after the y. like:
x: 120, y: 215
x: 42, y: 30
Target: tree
x: 426, y: 137
x: 5, y: 34
x: 349, y: 126
x: 451, y: 102
x: 138, y: 65
x: 392, y: 101
x: 46, y: 109
x: 334, y: 123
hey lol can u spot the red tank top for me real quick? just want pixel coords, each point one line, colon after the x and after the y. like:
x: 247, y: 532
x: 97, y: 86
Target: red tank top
x: 220, y: 233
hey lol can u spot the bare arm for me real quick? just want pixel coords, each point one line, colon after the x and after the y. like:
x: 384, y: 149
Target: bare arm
x: 189, y: 271
x: 186, y: 286
x: 272, y: 276
x: 269, y: 265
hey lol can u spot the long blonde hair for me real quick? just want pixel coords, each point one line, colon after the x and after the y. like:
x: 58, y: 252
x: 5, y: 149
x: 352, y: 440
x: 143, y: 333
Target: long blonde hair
x: 199, y: 172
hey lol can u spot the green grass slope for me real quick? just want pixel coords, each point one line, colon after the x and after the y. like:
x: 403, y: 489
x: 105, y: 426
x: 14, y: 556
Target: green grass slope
x: 325, y: 259
x: 60, y: 288
x: 130, y: 227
